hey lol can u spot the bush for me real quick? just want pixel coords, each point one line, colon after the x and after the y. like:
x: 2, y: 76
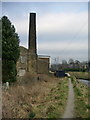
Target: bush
x: 31, y: 115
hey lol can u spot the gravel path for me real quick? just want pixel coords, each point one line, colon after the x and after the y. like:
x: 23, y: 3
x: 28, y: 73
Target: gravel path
x: 69, y: 111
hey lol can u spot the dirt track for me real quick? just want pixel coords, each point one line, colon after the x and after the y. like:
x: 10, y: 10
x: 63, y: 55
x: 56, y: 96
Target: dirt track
x: 69, y: 111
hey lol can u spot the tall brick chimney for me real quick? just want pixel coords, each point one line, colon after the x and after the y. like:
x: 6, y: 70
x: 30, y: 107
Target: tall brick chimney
x: 32, y: 33
x: 32, y: 49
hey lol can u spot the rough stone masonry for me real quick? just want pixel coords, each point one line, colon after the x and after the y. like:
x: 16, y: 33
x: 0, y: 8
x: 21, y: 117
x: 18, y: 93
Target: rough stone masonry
x: 32, y: 48
x: 29, y: 61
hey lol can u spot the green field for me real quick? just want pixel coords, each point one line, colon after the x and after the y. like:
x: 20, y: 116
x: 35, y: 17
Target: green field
x: 81, y: 75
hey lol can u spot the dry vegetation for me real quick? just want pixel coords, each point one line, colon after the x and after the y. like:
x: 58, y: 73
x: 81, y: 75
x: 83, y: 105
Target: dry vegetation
x: 82, y: 96
x: 28, y: 96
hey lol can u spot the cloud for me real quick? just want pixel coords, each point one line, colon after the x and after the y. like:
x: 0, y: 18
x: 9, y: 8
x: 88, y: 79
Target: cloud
x: 54, y: 31
x: 63, y: 50
x: 52, y: 23
x: 63, y: 22
x: 21, y: 26
x: 63, y: 46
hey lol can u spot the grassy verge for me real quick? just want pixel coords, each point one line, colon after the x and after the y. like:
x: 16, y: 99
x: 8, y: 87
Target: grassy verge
x: 54, y: 103
x: 32, y: 98
x: 82, y: 106
x: 81, y: 75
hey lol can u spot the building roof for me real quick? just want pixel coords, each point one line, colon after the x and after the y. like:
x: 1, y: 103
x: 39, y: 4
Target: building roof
x: 43, y: 56
x: 23, y: 50
x: 21, y: 47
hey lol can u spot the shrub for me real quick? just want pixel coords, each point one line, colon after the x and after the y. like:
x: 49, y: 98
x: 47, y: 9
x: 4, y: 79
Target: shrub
x: 31, y: 115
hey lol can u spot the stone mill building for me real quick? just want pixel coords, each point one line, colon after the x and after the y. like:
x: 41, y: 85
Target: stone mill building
x: 29, y: 61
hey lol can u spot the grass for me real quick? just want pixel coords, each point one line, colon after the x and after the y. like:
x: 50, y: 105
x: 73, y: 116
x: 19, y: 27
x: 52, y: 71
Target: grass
x: 81, y: 75
x: 54, y: 103
x: 81, y: 99
x: 32, y: 98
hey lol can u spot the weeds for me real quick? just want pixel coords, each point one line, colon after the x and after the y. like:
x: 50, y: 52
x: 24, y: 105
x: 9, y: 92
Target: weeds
x: 59, y: 95
x: 26, y: 96
x: 81, y: 99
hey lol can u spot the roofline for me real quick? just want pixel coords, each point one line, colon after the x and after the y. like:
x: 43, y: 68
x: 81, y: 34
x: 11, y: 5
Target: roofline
x: 23, y: 47
x: 44, y: 56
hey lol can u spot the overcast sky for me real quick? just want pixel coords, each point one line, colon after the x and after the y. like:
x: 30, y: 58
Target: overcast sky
x: 62, y: 27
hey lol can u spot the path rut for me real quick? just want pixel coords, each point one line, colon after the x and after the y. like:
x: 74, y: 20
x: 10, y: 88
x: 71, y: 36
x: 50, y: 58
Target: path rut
x: 69, y: 111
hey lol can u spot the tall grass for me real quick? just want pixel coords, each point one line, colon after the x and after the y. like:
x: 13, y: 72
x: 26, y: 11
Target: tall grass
x: 27, y: 95
x: 81, y: 75
x: 81, y: 99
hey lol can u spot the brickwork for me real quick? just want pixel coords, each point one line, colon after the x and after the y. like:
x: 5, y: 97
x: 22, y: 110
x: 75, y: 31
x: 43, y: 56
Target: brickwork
x: 22, y: 61
x: 29, y: 60
x: 43, y: 65
x: 32, y: 53
x: 32, y: 34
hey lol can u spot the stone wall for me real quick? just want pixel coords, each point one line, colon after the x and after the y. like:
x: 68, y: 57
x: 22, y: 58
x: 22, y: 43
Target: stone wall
x: 22, y: 61
x: 43, y: 65
x: 32, y: 63
x: 29, y: 60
